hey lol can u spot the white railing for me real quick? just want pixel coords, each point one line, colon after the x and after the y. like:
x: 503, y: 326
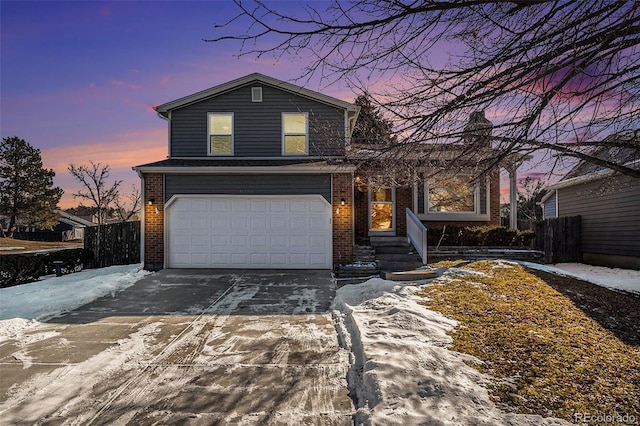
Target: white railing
x: 417, y: 235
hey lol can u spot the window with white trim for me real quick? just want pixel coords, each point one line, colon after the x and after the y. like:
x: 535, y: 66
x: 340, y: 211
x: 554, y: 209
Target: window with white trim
x: 453, y: 198
x: 295, y: 133
x: 220, y: 133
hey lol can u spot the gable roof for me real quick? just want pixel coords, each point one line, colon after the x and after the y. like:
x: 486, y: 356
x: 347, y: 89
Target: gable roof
x: 586, y: 171
x: 73, y: 220
x: 164, y: 109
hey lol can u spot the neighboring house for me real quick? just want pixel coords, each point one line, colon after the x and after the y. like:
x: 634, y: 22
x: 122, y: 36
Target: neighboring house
x: 68, y: 228
x: 72, y: 227
x: 609, y: 205
x: 261, y: 174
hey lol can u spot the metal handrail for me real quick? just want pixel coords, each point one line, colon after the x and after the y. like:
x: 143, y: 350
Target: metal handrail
x: 417, y: 235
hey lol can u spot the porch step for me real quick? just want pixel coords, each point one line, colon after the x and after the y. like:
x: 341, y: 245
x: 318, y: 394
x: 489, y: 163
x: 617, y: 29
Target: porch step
x: 397, y: 265
x: 414, y: 275
x: 362, y: 253
x: 388, y: 241
x: 384, y: 250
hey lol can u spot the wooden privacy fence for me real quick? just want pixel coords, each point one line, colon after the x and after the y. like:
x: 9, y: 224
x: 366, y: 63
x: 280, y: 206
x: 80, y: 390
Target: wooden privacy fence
x: 113, y: 244
x: 560, y: 239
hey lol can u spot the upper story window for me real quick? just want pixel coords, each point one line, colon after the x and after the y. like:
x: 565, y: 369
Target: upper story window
x: 295, y: 133
x: 220, y: 133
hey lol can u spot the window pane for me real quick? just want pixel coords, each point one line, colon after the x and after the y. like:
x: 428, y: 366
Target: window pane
x: 451, y: 194
x: 381, y: 194
x: 295, y: 123
x: 220, y: 144
x: 220, y: 124
x: 381, y: 216
x: 295, y: 144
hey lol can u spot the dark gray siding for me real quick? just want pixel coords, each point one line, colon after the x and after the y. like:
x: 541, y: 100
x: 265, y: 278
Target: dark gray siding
x: 289, y: 184
x: 610, y: 211
x: 257, y: 125
x: 549, y: 207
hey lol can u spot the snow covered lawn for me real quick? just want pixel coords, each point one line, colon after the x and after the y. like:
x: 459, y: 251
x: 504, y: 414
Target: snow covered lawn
x: 613, y: 278
x: 408, y: 366
x: 27, y: 304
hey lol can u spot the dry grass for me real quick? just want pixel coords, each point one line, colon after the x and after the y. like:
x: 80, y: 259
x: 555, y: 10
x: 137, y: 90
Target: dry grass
x: 555, y: 346
x: 27, y: 246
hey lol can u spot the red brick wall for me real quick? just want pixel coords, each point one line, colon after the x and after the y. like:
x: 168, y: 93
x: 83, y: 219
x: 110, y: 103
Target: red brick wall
x: 154, y: 221
x: 343, y: 220
x: 404, y: 200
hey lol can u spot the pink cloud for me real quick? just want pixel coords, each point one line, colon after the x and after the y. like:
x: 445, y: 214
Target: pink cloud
x: 116, y: 83
x: 120, y: 151
x: 105, y: 11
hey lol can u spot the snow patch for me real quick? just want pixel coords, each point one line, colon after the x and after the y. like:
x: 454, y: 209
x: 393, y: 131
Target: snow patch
x: 401, y: 369
x: 613, y: 278
x: 53, y: 296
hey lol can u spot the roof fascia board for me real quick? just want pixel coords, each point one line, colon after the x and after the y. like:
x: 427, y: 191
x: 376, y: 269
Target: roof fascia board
x: 231, y: 85
x: 248, y: 170
x: 589, y: 177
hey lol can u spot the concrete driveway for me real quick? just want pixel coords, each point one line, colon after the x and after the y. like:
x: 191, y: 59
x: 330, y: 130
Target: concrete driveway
x: 186, y: 347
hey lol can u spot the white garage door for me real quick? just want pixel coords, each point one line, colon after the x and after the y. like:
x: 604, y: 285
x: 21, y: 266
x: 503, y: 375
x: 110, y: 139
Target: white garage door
x: 222, y: 231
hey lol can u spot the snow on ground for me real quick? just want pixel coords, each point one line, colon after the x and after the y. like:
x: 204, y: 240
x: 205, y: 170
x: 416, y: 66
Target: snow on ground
x: 24, y: 306
x: 614, y: 278
x: 402, y: 372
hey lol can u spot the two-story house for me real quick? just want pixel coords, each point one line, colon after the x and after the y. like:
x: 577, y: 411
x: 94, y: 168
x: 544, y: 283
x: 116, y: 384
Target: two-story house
x: 255, y: 178
x: 260, y: 174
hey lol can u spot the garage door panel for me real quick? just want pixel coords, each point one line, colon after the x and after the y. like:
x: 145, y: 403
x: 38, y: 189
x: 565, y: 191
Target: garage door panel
x: 249, y: 232
x: 238, y: 206
x: 239, y: 223
x: 239, y: 241
x: 220, y: 241
x: 259, y: 259
x: 259, y: 241
x: 277, y: 241
x: 200, y: 241
x: 200, y: 205
x: 259, y: 224
x: 259, y: 206
x: 298, y: 206
x: 219, y: 259
x: 277, y: 206
x: 218, y: 205
x: 298, y: 241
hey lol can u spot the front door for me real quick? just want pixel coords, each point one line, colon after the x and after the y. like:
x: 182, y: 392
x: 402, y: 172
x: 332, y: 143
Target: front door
x: 382, y: 211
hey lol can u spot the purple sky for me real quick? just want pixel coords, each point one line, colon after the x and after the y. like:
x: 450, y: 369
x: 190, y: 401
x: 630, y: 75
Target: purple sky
x: 79, y: 79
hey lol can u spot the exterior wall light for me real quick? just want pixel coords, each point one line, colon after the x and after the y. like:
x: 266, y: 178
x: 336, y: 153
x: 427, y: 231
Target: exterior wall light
x: 342, y: 202
x: 150, y: 202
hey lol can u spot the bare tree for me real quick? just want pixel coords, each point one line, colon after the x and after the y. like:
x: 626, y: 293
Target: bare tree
x: 128, y: 206
x: 555, y: 77
x: 96, y: 189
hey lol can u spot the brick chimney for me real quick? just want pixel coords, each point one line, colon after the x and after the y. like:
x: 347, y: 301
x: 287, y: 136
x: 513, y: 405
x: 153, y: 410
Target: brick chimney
x: 478, y: 129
